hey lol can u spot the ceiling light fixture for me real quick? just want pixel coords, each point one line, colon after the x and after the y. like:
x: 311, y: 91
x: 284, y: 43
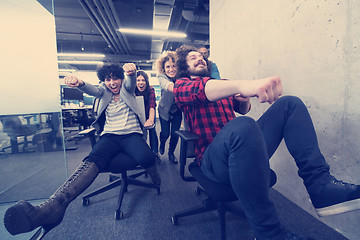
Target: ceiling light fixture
x: 81, y: 62
x: 93, y: 55
x: 159, y: 33
x: 66, y: 70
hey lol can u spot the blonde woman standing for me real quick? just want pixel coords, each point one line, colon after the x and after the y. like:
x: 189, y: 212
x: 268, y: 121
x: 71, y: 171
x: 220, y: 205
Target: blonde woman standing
x: 169, y: 114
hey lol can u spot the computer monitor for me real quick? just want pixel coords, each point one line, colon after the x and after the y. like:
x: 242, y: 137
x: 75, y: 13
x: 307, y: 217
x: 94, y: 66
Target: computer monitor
x: 72, y: 94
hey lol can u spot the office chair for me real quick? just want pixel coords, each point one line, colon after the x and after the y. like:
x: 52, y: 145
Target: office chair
x: 120, y: 164
x: 117, y: 166
x: 219, y: 196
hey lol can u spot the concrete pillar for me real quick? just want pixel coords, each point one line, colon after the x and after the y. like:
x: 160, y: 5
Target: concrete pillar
x: 314, y: 47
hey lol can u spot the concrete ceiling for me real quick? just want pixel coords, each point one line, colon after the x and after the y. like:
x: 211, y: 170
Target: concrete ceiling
x: 90, y: 26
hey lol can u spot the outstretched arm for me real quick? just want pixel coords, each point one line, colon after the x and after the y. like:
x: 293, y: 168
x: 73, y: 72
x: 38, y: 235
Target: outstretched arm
x: 165, y: 83
x: 266, y: 89
x: 75, y: 82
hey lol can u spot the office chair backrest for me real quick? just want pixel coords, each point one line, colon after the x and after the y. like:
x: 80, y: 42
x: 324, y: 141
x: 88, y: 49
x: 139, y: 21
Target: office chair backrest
x: 95, y: 107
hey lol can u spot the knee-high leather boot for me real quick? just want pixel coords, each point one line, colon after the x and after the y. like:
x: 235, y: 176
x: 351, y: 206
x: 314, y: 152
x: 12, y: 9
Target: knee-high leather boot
x: 24, y: 217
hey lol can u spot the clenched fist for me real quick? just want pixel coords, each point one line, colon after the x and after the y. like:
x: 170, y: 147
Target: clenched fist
x: 73, y: 81
x: 129, y: 68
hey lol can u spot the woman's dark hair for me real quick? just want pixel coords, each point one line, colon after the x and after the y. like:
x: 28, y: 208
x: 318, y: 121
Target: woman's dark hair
x: 182, y: 53
x: 110, y: 70
x: 146, y: 92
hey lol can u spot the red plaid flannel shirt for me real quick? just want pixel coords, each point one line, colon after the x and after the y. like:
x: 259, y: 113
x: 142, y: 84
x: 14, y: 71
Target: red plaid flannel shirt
x: 203, y: 117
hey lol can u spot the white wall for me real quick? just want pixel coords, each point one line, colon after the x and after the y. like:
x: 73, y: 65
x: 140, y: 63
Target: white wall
x: 28, y: 59
x: 315, y: 47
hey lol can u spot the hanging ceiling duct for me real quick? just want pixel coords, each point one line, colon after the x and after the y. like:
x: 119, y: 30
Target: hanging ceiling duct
x: 104, y: 16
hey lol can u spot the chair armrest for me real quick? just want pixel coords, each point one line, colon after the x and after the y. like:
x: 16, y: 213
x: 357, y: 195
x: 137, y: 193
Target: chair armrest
x: 87, y: 131
x: 187, y: 135
x: 90, y: 133
x: 149, y: 127
x: 186, y: 140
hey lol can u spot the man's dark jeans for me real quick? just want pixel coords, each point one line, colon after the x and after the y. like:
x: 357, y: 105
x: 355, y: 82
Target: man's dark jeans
x: 239, y: 155
x: 131, y: 147
x: 174, y: 123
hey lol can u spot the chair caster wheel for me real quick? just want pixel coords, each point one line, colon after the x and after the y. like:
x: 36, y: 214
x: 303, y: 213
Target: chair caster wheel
x: 86, y: 202
x: 175, y: 221
x: 119, y: 215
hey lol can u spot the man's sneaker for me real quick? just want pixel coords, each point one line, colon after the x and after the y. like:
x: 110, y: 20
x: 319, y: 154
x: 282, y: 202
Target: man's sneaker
x: 335, y: 197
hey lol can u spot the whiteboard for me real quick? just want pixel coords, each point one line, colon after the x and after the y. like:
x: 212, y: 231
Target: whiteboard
x: 28, y: 59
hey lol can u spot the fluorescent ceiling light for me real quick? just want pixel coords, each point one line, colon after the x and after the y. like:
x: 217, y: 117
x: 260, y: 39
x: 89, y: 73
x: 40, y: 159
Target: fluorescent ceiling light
x: 153, y: 32
x: 95, y: 55
x: 81, y: 62
x: 66, y: 70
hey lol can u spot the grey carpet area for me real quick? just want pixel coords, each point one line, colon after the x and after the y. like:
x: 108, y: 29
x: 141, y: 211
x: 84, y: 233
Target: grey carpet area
x: 148, y: 215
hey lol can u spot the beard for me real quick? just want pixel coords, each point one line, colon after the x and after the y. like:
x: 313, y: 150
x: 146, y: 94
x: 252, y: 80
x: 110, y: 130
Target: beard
x: 200, y: 73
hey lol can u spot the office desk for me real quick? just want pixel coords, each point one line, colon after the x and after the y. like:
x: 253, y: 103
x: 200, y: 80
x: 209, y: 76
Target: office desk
x: 74, y: 107
x: 76, y: 115
x: 29, y: 127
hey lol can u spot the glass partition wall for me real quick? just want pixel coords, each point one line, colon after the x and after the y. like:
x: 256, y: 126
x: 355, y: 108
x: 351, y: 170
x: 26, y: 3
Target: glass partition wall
x: 32, y: 153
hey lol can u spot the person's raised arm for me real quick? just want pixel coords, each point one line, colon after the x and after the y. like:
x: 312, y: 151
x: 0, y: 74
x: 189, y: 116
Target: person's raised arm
x: 129, y: 82
x: 165, y: 83
x: 129, y: 69
x: 266, y: 89
x: 73, y: 81
x: 170, y: 87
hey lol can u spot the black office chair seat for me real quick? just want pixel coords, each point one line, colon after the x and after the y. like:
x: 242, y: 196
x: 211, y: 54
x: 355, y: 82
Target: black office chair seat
x: 120, y: 164
x: 218, y: 192
x: 219, y: 196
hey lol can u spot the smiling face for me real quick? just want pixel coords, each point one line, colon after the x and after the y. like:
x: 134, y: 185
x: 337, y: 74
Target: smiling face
x: 170, y: 69
x: 141, y: 83
x: 204, y: 52
x: 197, y: 66
x: 113, y: 84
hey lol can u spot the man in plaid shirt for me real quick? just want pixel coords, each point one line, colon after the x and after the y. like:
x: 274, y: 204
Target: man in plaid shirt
x: 236, y: 150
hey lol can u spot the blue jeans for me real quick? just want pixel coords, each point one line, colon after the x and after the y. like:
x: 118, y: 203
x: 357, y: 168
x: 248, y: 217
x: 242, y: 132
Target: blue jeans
x: 154, y: 143
x: 239, y: 155
x: 174, y: 123
x: 131, y: 147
